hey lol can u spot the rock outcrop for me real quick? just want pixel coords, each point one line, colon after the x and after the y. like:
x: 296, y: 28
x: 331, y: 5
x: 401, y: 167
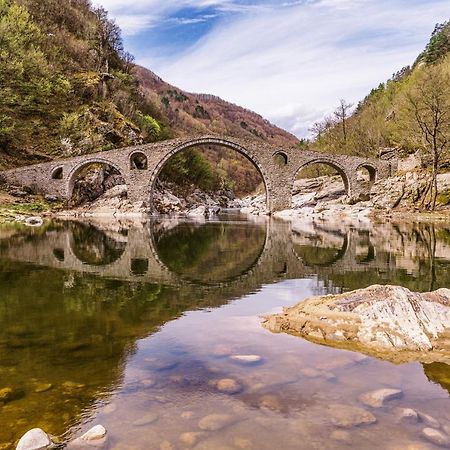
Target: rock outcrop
x: 389, y: 322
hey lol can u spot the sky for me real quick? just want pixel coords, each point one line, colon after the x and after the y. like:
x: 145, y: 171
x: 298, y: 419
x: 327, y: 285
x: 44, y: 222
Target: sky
x: 289, y: 60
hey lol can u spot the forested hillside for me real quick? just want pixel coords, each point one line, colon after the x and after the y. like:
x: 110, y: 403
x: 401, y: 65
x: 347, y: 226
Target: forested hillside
x: 68, y: 87
x: 398, y: 112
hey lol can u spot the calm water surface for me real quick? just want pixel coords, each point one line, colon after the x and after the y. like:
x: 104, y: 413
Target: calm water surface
x: 131, y: 326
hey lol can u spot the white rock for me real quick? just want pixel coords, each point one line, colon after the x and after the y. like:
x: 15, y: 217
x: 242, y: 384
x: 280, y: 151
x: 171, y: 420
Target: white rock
x: 379, y: 319
x: 34, y: 221
x: 95, y: 433
x: 436, y: 437
x: 377, y: 398
x: 197, y: 212
x: 407, y: 415
x: 246, y: 359
x: 35, y: 439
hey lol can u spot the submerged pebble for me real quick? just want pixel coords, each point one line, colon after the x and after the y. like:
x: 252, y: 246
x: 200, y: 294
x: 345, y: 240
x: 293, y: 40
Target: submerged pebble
x: 407, y: 415
x: 8, y: 394
x: 215, y: 422
x: 346, y: 416
x: 43, y: 387
x: 246, y: 359
x: 341, y: 436
x: 147, y: 419
x: 377, y: 398
x: 271, y: 402
x: 310, y: 372
x: 228, y: 386
x: 190, y: 438
x: 429, y: 420
x: 436, y: 437
x: 160, y: 364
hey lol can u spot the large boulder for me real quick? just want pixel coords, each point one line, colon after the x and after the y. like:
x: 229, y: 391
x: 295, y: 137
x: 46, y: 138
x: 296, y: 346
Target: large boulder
x: 389, y: 322
x: 35, y: 439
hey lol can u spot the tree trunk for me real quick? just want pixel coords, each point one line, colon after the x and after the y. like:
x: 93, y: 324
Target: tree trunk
x: 434, y: 180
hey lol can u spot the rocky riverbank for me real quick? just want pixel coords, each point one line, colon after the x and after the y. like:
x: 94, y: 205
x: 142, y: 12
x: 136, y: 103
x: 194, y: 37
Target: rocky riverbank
x: 316, y: 198
x: 388, y: 322
x: 320, y: 198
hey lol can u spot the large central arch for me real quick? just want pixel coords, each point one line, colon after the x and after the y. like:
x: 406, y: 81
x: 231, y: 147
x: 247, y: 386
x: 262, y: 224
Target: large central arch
x: 209, y: 141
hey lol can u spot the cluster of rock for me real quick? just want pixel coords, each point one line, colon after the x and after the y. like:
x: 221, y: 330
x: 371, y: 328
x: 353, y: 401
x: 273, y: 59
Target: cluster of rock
x: 345, y: 417
x: 166, y: 202
x: 389, y: 322
x: 38, y: 439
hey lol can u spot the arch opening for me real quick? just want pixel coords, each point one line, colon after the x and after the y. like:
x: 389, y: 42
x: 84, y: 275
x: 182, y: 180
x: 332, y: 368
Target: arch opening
x: 57, y: 173
x: 280, y: 159
x: 323, y: 248
x: 93, y: 180
x: 319, y: 182
x: 209, y: 173
x: 94, y: 247
x: 212, y: 253
x: 366, y: 177
x: 138, y: 161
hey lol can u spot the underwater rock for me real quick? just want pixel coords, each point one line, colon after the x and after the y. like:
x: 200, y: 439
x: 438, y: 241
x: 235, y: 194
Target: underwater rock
x: 346, y: 416
x: 436, y: 437
x: 377, y: 398
x: 246, y: 359
x: 227, y: 386
x: 214, y: 422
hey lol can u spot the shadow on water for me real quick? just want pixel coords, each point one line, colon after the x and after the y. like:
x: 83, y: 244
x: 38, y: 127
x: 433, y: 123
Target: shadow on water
x: 76, y: 298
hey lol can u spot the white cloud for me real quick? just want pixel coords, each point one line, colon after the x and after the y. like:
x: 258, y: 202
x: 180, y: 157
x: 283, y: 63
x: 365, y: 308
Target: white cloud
x: 294, y: 61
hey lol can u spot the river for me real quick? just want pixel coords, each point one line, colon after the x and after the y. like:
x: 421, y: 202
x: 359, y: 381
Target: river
x: 153, y: 330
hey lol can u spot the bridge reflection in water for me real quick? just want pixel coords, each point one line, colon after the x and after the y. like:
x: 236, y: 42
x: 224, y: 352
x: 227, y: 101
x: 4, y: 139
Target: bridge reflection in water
x: 77, y: 297
x: 238, y: 256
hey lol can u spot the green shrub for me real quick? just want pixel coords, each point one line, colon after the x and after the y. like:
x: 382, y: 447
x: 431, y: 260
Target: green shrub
x: 149, y: 126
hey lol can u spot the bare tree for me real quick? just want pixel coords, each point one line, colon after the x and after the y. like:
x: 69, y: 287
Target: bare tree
x: 428, y: 111
x: 342, y: 113
x: 108, y: 45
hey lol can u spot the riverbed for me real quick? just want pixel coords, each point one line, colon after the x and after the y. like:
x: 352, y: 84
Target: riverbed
x: 152, y: 329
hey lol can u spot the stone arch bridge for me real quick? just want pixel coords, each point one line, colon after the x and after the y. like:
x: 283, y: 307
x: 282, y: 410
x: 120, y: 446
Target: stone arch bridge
x: 141, y: 165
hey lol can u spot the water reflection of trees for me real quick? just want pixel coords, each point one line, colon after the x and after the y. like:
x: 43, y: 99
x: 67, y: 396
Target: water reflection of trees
x: 212, y: 253
x: 438, y: 373
x: 413, y: 255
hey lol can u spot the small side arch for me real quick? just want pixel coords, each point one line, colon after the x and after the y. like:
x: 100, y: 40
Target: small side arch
x: 57, y: 173
x: 371, y: 170
x: 138, y: 161
x: 329, y: 162
x: 280, y: 158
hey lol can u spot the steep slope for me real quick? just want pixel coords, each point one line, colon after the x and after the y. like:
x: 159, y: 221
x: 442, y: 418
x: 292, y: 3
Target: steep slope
x: 202, y: 113
x: 68, y: 87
